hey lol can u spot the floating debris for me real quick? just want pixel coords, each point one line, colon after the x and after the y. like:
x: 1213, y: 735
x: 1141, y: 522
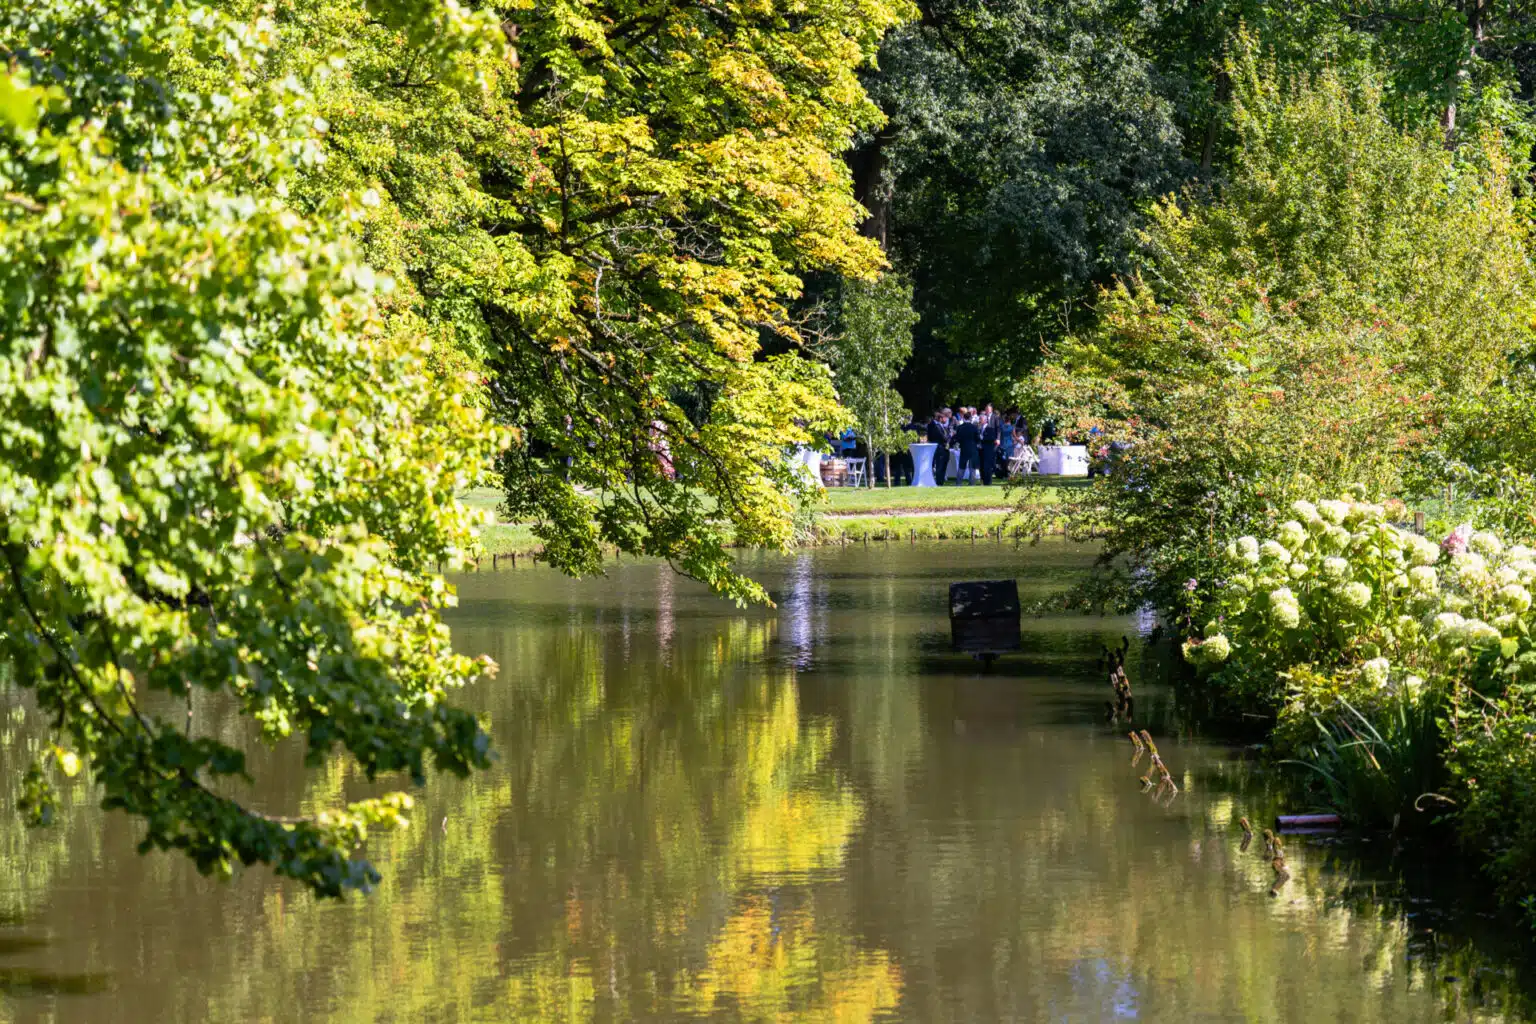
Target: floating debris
x: 1124, y: 705
x: 1308, y: 822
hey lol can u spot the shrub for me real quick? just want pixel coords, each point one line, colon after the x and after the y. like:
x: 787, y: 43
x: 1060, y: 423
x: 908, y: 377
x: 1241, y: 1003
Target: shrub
x: 1399, y: 669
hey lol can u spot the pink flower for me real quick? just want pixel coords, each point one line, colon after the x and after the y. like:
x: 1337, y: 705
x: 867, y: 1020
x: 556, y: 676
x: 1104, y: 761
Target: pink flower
x: 1456, y: 542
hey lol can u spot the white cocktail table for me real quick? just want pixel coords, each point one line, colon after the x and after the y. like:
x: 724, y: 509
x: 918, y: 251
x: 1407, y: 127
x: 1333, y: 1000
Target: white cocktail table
x: 922, y: 464
x: 1063, y: 460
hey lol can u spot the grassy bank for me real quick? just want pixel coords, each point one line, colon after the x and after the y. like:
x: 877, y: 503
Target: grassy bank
x: 849, y: 515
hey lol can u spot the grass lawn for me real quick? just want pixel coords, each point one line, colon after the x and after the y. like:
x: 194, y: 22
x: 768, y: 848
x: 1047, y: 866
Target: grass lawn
x: 950, y: 497
x: 850, y: 514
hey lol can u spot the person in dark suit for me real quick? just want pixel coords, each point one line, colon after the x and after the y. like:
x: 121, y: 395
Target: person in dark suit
x: 990, y: 434
x: 968, y: 437
x: 902, y: 461
x: 937, y: 435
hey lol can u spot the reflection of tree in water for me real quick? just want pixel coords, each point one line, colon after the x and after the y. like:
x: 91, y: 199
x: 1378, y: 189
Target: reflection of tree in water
x: 656, y: 840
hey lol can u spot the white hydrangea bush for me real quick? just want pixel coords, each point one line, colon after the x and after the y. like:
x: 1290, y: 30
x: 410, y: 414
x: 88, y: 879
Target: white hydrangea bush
x: 1366, y: 604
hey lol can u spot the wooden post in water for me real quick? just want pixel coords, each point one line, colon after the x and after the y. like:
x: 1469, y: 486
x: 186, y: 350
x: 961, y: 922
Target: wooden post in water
x: 914, y: 535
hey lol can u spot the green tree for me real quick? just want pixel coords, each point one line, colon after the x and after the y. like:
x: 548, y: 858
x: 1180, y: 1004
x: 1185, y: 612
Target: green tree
x: 875, y: 342
x: 276, y: 272
x: 609, y: 228
x: 1315, y: 326
x: 1022, y: 140
x: 220, y: 469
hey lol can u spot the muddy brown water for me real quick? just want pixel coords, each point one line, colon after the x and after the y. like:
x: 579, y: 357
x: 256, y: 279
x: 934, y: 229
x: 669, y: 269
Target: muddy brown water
x: 808, y: 813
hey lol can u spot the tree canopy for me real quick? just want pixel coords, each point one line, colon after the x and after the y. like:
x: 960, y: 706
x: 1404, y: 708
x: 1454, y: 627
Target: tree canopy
x: 283, y: 280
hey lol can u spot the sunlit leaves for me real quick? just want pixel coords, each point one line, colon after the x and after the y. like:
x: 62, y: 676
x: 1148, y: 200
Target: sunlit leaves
x: 220, y: 468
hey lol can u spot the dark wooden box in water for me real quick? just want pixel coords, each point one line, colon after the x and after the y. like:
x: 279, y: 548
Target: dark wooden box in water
x: 984, y: 616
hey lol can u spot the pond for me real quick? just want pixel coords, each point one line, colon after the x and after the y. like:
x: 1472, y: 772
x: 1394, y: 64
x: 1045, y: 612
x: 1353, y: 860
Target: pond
x: 808, y: 813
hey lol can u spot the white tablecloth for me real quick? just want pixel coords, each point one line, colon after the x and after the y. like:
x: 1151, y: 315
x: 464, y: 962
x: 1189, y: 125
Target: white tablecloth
x: 1063, y: 460
x: 922, y: 464
x: 810, y: 461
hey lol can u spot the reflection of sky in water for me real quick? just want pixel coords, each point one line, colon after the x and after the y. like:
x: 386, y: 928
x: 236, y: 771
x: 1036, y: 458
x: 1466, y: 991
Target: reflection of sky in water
x: 1103, y: 985
x: 799, y: 608
x: 665, y: 622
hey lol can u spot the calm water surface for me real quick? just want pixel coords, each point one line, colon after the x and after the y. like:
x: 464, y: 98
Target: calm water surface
x: 810, y: 813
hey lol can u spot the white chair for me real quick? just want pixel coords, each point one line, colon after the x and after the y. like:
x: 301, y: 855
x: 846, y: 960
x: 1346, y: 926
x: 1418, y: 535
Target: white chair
x: 856, y: 472
x: 1023, y: 460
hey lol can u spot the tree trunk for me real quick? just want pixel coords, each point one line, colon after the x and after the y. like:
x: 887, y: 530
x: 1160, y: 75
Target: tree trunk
x: 870, y: 189
x: 1208, y: 150
x: 1473, y: 9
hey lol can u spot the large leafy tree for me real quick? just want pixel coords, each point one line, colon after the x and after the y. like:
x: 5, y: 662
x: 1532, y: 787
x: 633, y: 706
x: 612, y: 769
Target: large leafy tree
x: 610, y: 228
x: 220, y: 468
x: 1350, y: 293
x: 1022, y: 139
x: 276, y: 269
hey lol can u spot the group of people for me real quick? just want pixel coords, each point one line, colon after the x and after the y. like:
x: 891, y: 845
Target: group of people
x: 981, y: 441
x: 984, y: 439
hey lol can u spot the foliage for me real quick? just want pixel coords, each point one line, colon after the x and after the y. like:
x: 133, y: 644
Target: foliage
x: 1378, y: 635
x: 1023, y: 138
x: 1313, y: 326
x: 874, y: 343
x: 1493, y: 758
x: 1378, y: 769
x: 1484, y: 466
x: 1027, y: 140
x: 610, y: 226
x: 222, y: 471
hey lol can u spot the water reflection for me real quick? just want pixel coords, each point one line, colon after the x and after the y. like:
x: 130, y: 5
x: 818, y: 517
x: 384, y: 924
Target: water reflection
x: 813, y: 813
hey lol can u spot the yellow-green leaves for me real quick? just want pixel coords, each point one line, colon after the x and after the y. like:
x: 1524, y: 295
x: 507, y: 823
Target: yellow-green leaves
x: 223, y: 468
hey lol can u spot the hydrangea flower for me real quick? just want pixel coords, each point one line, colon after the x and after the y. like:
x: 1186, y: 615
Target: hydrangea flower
x: 1335, y: 568
x: 1305, y: 511
x: 1516, y: 597
x: 1504, y: 575
x: 1479, y: 634
x: 1375, y: 672
x: 1526, y: 568
x: 1297, y: 569
x: 1336, y: 538
x: 1364, y: 512
x: 1292, y: 534
x: 1284, y: 608
x: 1424, y: 577
x: 1449, y: 624
x: 1248, y: 549
x: 1520, y: 551
x: 1275, y: 550
x: 1470, y: 568
x: 1486, y: 543
x: 1356, y: 595
x: 1422, y: 550
x: 1413, y: 684
x: 1333, y: 511
x: 1216, y: 650
x: 1506, y: 623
